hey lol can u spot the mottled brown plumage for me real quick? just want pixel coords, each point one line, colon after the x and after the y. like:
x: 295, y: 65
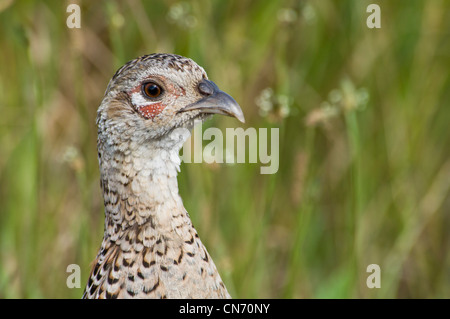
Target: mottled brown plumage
x: 150, y: 248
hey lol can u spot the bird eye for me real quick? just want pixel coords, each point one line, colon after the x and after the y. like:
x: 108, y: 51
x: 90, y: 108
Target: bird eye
x: 151, y: 90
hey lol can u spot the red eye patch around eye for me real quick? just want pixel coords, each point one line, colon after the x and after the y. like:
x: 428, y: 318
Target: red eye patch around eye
x: 151, y: 110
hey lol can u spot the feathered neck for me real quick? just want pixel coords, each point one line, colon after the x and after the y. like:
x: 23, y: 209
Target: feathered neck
x: 139, y: 183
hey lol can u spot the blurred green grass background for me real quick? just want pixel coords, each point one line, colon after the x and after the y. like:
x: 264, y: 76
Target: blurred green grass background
x: 363, y: 114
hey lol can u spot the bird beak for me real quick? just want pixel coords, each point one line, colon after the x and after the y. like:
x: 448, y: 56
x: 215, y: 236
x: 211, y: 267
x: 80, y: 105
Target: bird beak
x: 215, y: 102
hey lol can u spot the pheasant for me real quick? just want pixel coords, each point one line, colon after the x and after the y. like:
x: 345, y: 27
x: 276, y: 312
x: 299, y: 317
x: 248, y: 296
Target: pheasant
x: 150, y: 248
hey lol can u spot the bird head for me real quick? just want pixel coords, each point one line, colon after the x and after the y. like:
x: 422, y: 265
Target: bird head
x: 151, y: 96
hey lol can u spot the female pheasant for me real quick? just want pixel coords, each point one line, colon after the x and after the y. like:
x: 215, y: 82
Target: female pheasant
x: 150, y: 248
